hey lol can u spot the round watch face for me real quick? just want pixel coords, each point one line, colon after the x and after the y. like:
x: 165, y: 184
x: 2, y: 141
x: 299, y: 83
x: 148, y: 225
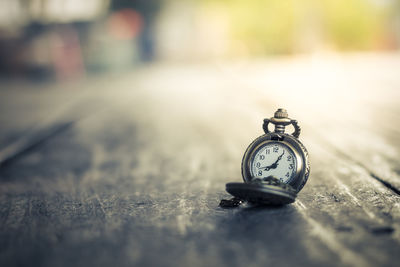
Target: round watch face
x: 274, y: 159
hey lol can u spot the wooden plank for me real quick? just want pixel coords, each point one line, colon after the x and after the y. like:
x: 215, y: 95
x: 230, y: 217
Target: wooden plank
x: 173, y: 215
x: 140, y: 182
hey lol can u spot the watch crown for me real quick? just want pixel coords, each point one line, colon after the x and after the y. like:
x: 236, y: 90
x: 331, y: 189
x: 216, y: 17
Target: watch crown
x: 281, y: 113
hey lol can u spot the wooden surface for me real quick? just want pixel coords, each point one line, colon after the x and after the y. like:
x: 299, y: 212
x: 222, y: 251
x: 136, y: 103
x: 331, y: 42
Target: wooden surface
x: 129, y: 169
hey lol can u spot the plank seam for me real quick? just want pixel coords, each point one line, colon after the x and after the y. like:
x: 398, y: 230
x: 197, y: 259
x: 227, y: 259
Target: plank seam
x: 30, y: 142
x: 385, y: 183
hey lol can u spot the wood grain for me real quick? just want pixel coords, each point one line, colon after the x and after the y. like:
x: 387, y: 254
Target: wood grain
x: 136, y: 180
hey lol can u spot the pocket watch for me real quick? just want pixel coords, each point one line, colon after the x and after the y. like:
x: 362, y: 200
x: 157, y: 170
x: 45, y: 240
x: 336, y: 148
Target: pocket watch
x: 275, y: 166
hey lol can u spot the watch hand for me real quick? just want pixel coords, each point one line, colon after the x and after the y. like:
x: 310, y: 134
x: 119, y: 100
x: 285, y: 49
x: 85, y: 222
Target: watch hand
x: 266, y: 167
x: 273, y: 165
x: 280, y: 157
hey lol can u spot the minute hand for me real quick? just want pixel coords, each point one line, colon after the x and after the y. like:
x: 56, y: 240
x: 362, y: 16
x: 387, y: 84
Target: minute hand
x: 275, y: 164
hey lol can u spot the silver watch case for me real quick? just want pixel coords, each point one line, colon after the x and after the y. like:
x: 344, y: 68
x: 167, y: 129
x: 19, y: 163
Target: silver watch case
x: 298, y: 181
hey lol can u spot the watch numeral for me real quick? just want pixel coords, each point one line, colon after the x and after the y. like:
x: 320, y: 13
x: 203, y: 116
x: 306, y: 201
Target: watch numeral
x: 281, y: 179
x: 258, y: 164
x: 262, y: 157
x: 290, y: 166
x: 268, y: 151
x: 287, y: 174
x: 259, y: 173
x: 289, y: 158
x: 275, y: 149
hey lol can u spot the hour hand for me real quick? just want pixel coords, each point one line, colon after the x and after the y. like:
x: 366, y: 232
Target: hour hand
x: 267, y: 168
x: 273, y: 165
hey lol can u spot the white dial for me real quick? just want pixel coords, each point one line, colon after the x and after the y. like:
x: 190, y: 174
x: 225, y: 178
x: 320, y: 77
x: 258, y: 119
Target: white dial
x: 274, y: 159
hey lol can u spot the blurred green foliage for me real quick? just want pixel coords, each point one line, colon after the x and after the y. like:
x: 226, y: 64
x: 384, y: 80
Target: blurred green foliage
x: 287, y: 26
x: 353, y: 24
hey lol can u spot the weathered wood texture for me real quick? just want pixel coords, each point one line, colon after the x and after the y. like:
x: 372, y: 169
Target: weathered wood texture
x: 128, y: 170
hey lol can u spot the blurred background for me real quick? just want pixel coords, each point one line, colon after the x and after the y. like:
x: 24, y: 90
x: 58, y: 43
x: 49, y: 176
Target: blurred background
x: 70, y: 39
